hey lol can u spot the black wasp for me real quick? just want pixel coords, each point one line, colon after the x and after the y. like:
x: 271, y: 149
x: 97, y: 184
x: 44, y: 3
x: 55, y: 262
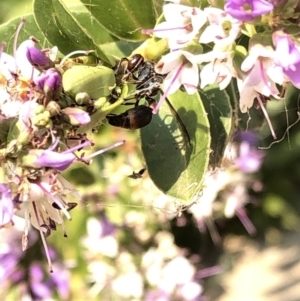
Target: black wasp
x: 147, y: 85
x: 137, y: 175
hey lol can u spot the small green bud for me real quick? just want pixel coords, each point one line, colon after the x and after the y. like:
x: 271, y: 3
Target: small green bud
x: 99, y: 103
x: 49, y: 125
x: 41, y: 119
x: 39, y: 109
x: 82, y: 98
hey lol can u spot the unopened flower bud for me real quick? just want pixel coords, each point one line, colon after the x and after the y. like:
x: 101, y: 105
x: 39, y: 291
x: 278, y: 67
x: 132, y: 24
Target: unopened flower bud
x: 75, y: 116
x: 36, y: 57
x: 53, y: 107
x: 39, y: 109
x: 51, y: 83
x: 83, y: 98
x: 41, y: 119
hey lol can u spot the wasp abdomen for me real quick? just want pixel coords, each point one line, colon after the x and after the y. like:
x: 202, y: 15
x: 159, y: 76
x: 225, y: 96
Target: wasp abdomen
x: 132, y: 119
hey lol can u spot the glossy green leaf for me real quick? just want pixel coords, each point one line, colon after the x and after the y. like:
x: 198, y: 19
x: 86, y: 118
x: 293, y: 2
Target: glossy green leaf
x: 62, y: 29
x: 218, y: 108
x: 8, y: 30
x: 109, y: 43
x: 176, y: 167
x: 124, y: 18
x: 100, y: 35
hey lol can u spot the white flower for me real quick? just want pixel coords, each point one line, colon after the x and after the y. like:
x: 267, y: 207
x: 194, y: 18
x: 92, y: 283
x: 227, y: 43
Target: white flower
x: 98, y: 242
x: 261, y: 77
x: 171, y: 277
x: 42, y: 204
x: 128, y: 285
x: 182, y: 69
x: 38, y: 199
x: 9, y: 107
x: 191, y: 290
x: 219, y: 70
x: 7, y: 66
x: 223, y: 29
x: 181, y: 26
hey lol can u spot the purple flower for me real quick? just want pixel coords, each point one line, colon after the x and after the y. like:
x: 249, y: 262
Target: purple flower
x: 76, y: 116
x: 106, y: 227
x: 38, y: 158
x: 61, y: 281
x: 51, y: 83
x: 6, y: 205
x: 287, y: 55
x: 247, y: 10
x: 250, y: 137
x: 36, y: 57
x: 38, y: 287
x: 250, y: 159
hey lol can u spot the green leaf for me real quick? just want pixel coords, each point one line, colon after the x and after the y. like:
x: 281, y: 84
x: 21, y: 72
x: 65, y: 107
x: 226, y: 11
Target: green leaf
x: 217, y: 105
x: 176, y: 167
x: 62, y: 29
x: 124, y: 18
x: 109, y: 43
x: 158, y: 6
x: 8, y: 30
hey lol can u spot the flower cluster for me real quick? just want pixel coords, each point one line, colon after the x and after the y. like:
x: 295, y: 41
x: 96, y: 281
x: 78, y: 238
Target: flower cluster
x: 31, y: 281
x: 207, y: 46
x: 42, y: 119
x: 155, y: 276
x: 226, y: 188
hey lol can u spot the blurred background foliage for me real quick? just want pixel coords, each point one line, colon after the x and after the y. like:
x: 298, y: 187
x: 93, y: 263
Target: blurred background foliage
x: 139, y: 211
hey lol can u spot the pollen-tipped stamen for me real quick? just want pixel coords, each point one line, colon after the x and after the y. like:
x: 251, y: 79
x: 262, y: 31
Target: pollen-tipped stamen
x: 43, y: 238
x: 63, y: 225
x: 56, y: 201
